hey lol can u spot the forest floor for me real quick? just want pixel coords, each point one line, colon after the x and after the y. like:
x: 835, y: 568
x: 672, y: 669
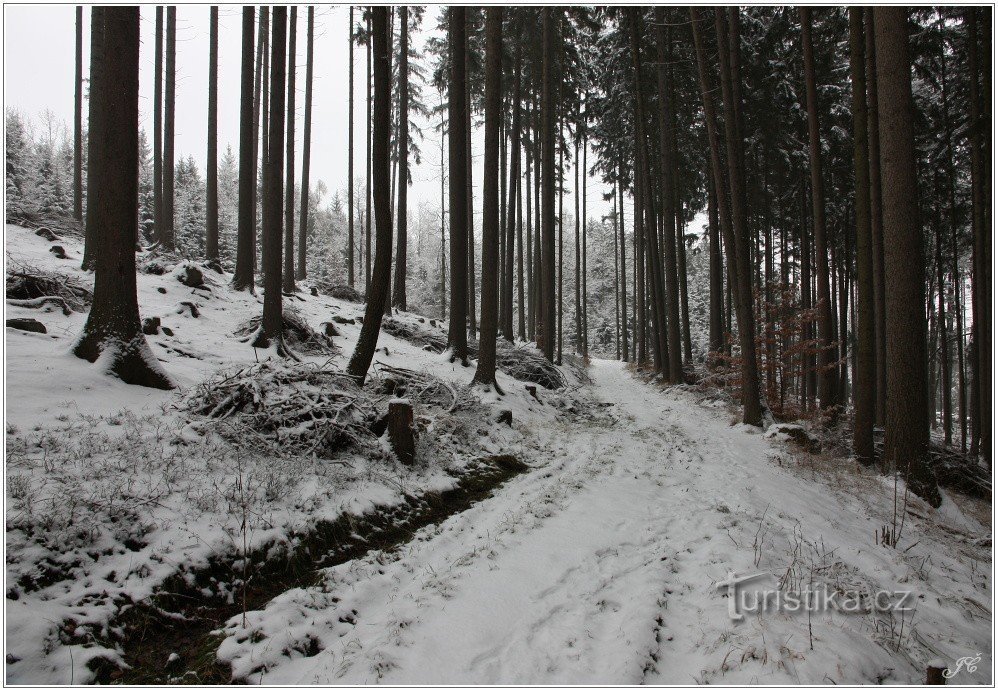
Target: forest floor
x: 604, y: 560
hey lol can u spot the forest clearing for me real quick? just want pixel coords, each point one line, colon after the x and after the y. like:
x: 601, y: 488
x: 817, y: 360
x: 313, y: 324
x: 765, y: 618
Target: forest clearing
x: 622, y: 345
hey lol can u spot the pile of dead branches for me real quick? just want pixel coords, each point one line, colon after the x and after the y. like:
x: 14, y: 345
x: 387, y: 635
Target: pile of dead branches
x: 418, y: 387
x: 523, y: 362
x: 526, y: 363
x: 30, y: 286
x: 434, y: 341
x: 338, y: 291
x: 298, y: 335
x: 954, y: 469
x: 292, y: 408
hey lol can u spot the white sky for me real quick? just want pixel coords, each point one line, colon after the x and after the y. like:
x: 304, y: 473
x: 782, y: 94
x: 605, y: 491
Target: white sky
x: 39, y: 67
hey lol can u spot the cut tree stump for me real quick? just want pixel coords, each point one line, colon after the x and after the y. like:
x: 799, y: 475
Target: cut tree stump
x: 401, y: 432
x: 934, y: 673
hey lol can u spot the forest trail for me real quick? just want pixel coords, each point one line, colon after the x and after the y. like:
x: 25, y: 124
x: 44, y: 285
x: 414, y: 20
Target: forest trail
x: 598, y: 567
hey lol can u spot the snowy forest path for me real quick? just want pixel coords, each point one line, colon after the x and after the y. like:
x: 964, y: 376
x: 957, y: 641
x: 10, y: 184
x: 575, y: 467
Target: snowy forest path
x: 561, y: 576
x: 601, y: 565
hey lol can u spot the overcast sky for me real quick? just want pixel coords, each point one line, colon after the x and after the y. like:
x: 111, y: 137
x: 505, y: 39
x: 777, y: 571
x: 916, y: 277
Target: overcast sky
x: 39, y: 67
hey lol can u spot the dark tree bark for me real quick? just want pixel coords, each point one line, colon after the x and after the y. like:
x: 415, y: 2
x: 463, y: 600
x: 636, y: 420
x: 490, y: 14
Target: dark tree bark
x: 623, y: 260
x: 546, y: 325
x: 906, y: 442
x: 350, y: 186
x: 979, y: 129
x: 737, y: 236
x: 578, y: 254
x: 827, y: 396
x: 486, y: 372
x: 157, y: 119
x: 514, y: 198
x: 521, y: 305
x: 272, y: 328
x: 367, y: 206
x: 735, y: 240
x: 866, y: 382
x: 113, y: 332
x: 399, y: 296
x: 78, y: 121
x: 211, y: 172
x: 259, y: 131
x: 469, y: 186
x: 585, y: 235
x: 288, y: 274
x: 876, y: 219
x: 675, y: 373
x: 531, y: 306
x: 716, y: 265
x: 377, y: 294
x: 649, y: 227
x: 242, y: 279
x: 167, y: 237
x: 306, y: 160
x: 457, y: 104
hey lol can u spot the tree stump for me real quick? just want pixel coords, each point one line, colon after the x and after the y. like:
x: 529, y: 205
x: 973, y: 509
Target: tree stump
x: 401, y: 432
x: 934, y: 673
x: 532, y: 390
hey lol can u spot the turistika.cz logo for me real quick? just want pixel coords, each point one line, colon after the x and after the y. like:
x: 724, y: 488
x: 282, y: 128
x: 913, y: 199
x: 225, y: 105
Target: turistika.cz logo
x: 747, y: 595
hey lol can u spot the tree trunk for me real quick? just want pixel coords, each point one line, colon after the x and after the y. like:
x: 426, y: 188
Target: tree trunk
x: 826, y: 328
x: 211, y: 171
x: 866, y: 382
x: 979, y: 129
x: 113, y: 331
x: 306, y: 159
x: 367, y: 206
x: 486, y: 372
x: 623, y: 260
x: 157, y: 118
x: 399, y: 296
x: 167, y: 238
x: 521, y: 306
x: 876, y: 219
x: 546, y: 324
x: 469, y: 185
x: 457, y: 140
x: 514, y: 199
x: 737, y: 236
x: 675, y: 372
x: 272, y: 327
x: 906, y: 443
x: 242, y: 279
x: 288, y: 274
x: 716, y: 266
x: 378, y: 292
x: 350, y: 187
x: 78, y: 122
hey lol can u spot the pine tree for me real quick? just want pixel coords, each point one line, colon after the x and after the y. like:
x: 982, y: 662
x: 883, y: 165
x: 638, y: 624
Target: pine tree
x: 271, y: 331
x: 166, y: 234
x: 457, y: 104
x: 306, y: 161
x: 242, y: 279
x: 211, y: 221
x: 378, y: 291
x: 112, y: 331
x: 486, y: 372
x: 906, y: 441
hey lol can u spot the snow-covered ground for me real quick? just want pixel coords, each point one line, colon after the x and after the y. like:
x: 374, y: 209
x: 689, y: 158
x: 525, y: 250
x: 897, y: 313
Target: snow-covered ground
x: 600, y: 564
